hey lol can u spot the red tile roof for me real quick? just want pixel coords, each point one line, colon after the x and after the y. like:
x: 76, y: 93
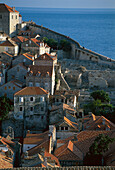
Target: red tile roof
x: 49, y: 155
x: 43, y: 70
x: 68, y: 151
x: 19, y: 39
x: 31, y: 91
x: 47, y: 57
x: 29, y: 56
x: 6, y: 8
x: 5, y: 162
x: 8, y: 54
x: 7, y: 43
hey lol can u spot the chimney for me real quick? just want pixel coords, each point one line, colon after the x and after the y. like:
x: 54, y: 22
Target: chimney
x: 28, y: 131
x: 13, y: 8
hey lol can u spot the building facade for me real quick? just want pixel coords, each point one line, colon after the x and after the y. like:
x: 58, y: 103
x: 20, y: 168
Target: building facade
x: 31, y: 104
x: 9, y: 18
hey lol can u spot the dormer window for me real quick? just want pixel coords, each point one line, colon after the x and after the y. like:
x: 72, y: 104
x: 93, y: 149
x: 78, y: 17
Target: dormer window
x: 47, y: 75
x: 31, y: 73
x: 38, y: 74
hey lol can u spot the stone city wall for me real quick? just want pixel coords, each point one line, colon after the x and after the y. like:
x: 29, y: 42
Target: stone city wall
x: 77, y: 52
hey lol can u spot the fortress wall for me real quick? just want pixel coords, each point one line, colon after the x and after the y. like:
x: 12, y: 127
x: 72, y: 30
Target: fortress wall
x: 78, y: 52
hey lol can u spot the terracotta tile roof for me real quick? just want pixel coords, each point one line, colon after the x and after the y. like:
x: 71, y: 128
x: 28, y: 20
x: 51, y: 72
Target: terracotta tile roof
x: 10, y: 144
x: 31, y: 91
x: 42, y: 143
x: 8, y: 54
x: 68, y: 151
x: 4, y: 8
x: 46, y: 57
x: 92, y: 122
x: 5, y: 162
x: 84, y: 141
x: 67, y: 107
x: 36, y: 138
x: 70, y: 123
x: 37, y: 42
x: 19, y: 39
x: 63, y: 106
x: 29, y: 56
x: 8, y: 43
x: 49, y: 155
x: 42, y: 70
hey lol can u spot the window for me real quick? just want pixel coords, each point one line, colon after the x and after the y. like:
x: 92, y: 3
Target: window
x: 42, y: 108
x: 5, y: 94
x: 24, y: 77
x: 16, y: 16
x: 12, y: 16
x: 30, y: 84
x: 13, y: 88
x: 31, y: 99
x: 26, y: 45
x: 0, y: 16
x: 5, y: 88
x: 42, y: 117
x: 42, y: 99
x: 66, y: 128
x: 31, y: 109
x: 37, y: 85
x: 9, y: 87
x: 62, y: 128
x: 21, y: 109
x: 21, y: 99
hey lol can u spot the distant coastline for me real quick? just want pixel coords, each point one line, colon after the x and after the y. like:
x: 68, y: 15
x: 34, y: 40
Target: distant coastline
x: 92, y: 28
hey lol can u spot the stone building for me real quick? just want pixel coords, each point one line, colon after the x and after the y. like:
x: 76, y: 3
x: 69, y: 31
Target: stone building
x: 17, y: 72
x: 41, y: 76
x: 57, y: 113
x: 9, y: 46
x: 10, y: 88
x: 35, y: 46
x: 3, y: 72
x: 31, y: 104
x: 26, y: 58
x: 6, y: 58
x: 3, y: 37
x: 9, y: 18
x: 66, y: 128
x: 46, y: 60
x: 69, y: 97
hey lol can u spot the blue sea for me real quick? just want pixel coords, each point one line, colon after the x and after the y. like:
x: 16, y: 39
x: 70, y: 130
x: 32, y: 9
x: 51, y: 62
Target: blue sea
x: 92, y: 28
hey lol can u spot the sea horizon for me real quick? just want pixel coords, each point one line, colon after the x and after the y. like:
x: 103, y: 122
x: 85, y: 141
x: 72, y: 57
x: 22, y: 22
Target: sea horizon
x: 93, y: 28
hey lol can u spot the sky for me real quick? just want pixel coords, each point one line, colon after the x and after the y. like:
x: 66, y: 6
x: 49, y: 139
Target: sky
x: 61, y: 3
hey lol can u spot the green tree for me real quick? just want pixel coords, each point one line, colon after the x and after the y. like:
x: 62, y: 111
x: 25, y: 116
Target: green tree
x: 6, y: 105
x: 97, y: 149
x: 45, y: 39
x: 52, y: 43
x: 65, y: 45
x: 100, y: 95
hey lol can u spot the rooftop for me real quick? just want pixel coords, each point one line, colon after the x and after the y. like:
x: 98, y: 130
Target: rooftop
x: 6, y: 8
x: 31, y: 91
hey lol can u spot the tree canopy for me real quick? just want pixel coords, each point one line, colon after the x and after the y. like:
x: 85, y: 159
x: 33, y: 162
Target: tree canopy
x: 6, y: 105
x: 100, y: 95
x: 100, y: 145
